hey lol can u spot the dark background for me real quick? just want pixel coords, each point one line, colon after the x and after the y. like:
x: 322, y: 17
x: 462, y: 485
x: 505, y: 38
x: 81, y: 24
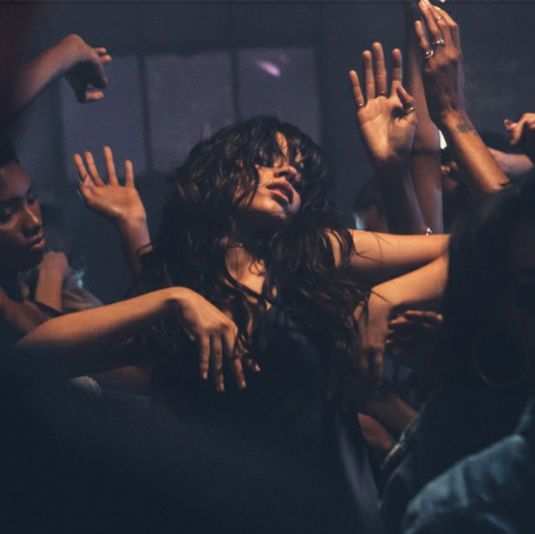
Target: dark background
x: 182, y: 70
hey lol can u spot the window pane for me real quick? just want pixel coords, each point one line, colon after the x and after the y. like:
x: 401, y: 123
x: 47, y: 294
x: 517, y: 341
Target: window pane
x: 190, y: 98
x: 116, y: 121
x: 280, y: 82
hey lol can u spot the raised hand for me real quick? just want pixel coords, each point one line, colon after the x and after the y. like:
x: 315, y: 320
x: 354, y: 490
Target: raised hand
x: 386, y: 118
x: 443, y: 71
x: 111, y: 199
x: 87, y: 76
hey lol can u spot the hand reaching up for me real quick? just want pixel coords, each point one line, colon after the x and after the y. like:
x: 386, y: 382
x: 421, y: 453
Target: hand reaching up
x: 386, y: 117
x: 117, y: 202
x: 443, y: 71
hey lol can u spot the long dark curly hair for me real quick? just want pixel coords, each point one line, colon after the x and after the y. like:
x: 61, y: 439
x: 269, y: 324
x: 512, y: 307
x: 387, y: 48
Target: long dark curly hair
x: 477, y: 285
x: 209, y: 190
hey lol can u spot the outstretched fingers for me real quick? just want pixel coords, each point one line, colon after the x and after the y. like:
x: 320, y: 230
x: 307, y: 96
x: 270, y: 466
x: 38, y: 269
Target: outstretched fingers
x: 110, y: 166
x: 407, y: 101
x: 81, y: 169
x: 92, y: 168
x: 423, y: 41
x: 369, y: 78
x: 379, y: 69
x: 397, y: 69
x: 360, y: 101
x: 129, y: 173
x: 435, y: 31
x: 452, y: 26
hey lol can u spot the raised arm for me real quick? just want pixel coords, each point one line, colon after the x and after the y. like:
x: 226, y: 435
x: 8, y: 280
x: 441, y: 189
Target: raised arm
x: 119, y: 203
x: 72, y: 57
x: 425, y: 155
x: 387, y: 121
x: 444, y: 87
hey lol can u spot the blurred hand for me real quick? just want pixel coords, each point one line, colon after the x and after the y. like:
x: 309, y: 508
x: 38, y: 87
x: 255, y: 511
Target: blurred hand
x: 522, y: 133
x: 87, y: 76
x: 413, y: 337
x: 373, y: 321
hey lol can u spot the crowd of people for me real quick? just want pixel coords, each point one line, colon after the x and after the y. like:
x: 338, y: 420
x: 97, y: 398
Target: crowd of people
x: 273, y: 369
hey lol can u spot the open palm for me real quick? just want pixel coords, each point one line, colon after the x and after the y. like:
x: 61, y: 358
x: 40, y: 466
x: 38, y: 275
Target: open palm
x: 387, y: 122
x: 110, y: 199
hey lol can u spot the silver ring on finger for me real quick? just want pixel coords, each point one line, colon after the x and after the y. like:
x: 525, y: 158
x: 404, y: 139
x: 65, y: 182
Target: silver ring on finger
x: 361, y: 105
x: 412, y: 109
x: 429, y: 54
x: 439, y: 42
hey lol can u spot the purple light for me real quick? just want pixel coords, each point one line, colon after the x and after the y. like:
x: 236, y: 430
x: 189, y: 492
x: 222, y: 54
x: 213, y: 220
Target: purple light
x: 269, y: 68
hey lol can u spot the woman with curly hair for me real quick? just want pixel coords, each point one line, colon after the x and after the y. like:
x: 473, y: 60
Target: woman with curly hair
x: 250, y: 225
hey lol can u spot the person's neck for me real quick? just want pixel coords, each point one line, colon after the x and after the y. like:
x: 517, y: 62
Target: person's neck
x: 9, y: 282
x: 244, y: 261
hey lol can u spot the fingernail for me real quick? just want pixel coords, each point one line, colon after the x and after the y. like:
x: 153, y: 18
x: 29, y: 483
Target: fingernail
x: 507, y: 123
x: 221, y: 388
x: 204, y: 375
x: 243, y: 384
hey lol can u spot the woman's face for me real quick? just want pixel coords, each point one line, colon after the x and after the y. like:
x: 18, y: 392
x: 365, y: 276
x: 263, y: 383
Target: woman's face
x: 277, y: 196
x: 22, y: 238
x: 520, y: 304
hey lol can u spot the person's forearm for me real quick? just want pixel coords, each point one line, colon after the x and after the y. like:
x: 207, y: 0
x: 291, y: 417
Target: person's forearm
x: 79, y: 341
x: 49, y: 288
x: 425, y: 156
x: 421, y: 287
x: 381, y: 257
x: 392, y: 411
x: 399, y: 198
x: 37, y: 74
x: 135, y: 237
x: 482, y: 172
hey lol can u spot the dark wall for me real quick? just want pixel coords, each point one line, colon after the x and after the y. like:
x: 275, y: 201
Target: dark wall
x: 497, y: 39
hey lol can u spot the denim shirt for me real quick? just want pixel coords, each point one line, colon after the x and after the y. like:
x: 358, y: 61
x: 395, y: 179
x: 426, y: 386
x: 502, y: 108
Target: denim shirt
x: 457, y: 421
x: 492, y: 491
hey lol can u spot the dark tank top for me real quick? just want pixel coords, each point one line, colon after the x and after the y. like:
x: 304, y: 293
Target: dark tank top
x: 283, y: 415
